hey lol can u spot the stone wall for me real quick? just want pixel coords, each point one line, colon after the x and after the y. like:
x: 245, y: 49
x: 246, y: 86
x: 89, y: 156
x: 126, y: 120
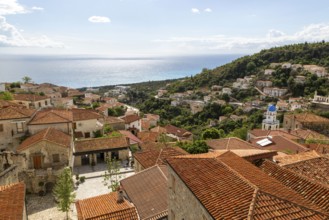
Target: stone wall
x: 10, y: 137
x: 65, y: 127
x: 9, y: 176
x: 182, y: 203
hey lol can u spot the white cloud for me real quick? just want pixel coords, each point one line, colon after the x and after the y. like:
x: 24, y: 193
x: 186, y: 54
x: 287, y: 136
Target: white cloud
x: 220, y: 43
x: 8, y: 7
x: 195, y: 11
x: 99, y: 19
x: 35, y: 8
x: 208, y: 10
x: 10, y: 36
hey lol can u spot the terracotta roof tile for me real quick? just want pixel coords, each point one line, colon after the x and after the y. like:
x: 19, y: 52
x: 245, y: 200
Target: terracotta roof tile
x: 132, y: 137
x: 159, y: 129
x: 4, y: 104
x: 243, y: 190
x: 49, y: 116
x: 12, y: 201
x: 150, y: 158
x: 130, y: 118
x: 148, y: 192
x: 179, y: 132
x: 105, y: 207
x: 308, y: 134
x: 310, y: 190
x: 231, y: 143
x: 266, y: 133
x: 148, y: 136
x: 280, y: 143
x: 84, y: 114
x: 29, y: 97
x: 308, y: 118
x: 49, y: 134
x: 290, y: 159
x: 96, y: 144
x: 15, y: 113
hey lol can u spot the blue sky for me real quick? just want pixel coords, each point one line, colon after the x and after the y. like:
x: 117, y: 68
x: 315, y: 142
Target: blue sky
x: 158, y: 27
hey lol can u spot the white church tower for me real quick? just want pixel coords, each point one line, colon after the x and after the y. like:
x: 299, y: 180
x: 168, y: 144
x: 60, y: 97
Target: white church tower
x: 270, y: 122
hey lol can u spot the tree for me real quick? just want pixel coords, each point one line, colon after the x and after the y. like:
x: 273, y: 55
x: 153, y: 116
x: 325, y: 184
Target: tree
x: 112, y: 175
x: 6, y: 96
x: 210, y: 133
x: 195, y: 147
x: 26, y: 79
x: 63, y: 190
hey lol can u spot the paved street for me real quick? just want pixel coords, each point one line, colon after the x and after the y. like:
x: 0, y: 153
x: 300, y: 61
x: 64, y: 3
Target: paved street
x: 44, y: 208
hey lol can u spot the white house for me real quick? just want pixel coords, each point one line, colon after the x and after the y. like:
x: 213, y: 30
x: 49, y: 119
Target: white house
x: 2, y: 87
x: 268, y: 71
x: 274, y: 91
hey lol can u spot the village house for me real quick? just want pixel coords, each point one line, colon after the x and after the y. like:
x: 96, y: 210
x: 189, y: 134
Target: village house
x: 282, y: 105
x: 300, y: 79
x: 161, y: 92
x: 115, y: 123
x: 196, y: 106
x: 274, y: 91
x: 306, y: 121
x: 29, y: 87
x: 32, y: 100
x: 216, y: 88
x: 113, y: 206
x: 132, y: 123
x: 86, y: 122
x: 269, y: 72
x: 242, y: 83
x: 263, y: 83
x: 286, y: 65
x: 148, y: 136
x: 66, y: 103
x: 178, y: 134
x: 227, y: 91
x: 235, y: 183
x: 47, y: 153
x: 12, y: 201
x: 295, y: 105
x: 13, y: 126
x: 147, y: 190
x: 321, y: 101
x: 97, y: 150
x: 149, y: 121
x: 317, y: 70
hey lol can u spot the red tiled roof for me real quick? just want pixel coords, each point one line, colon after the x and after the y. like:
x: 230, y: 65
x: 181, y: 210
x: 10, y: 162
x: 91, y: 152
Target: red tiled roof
x: 310, y: 190
x: 147, y: 190
x: 4, y: 104
x: 129, y: 135
x: 15, y: 113
x: 50, y: 116
x: 308, y: 134
x: 265, y: 133
x: 290, y: 159
x: 229, y: 187
x: 12, y: 201
x: 150, y: 158
x: 49, y: 134
x: 148, y: 136
x: 231, y: 143
x: 130, y: 118
x: 96, y: 144
x: 159, y: 129
x: 29, y: 97
x: 179, y: 132
x: 280, y: 143
x: 105, y: 207
x: 308, y: 118
x: 84, y: 114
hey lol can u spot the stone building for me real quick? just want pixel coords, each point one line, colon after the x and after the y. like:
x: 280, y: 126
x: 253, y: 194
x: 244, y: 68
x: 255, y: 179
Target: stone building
x: 306, y: 121
x: 274, y: 91
x: 13, y: 126
x: 270, y: 122
x: 225, y: 187
x: 32, y: 101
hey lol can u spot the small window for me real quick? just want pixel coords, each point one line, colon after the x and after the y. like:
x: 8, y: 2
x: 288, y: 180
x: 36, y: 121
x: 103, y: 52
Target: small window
x: 87, y: 135
x: 55, y: 158
x: 39, y: 103
x: 46, y: 103
x: 20, y: 128
x: 1, y: 127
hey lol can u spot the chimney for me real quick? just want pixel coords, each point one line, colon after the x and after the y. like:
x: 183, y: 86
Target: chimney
x: 120, y: 198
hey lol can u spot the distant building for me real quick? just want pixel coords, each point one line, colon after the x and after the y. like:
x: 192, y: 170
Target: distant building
x: 269, y: 72
x: 274, y: 91
x: 262, y: 83
x: 270, y: 122
x: 317, y: 70
x: 2, y: 87
x: 300, y: 79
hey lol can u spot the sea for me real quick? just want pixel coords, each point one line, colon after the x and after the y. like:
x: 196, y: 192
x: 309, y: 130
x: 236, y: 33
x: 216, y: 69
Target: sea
x: 77, y: 71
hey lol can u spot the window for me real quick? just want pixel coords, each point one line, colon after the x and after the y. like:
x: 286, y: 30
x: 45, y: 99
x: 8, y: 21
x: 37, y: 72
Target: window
x: 46, y: 103
x: 1, y: 127
x: 39, y: 103
x: 55, y: 158
x: 87, y: 135
x: 20, y: 127
x: 173, y: 183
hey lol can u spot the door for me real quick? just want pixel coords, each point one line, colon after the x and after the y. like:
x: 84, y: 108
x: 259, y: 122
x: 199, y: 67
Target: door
x: 37, y: 162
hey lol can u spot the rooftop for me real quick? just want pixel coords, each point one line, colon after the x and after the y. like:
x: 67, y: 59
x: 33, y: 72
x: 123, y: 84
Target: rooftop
x: 97, y: 144
x: 49, y: 134
x: 105, y: 207
x: 231, y: 143
x: 243, y: 190
x: 308, y: 118
x: 15, y: 113
x: 12, y: 201
x: 179, y: 132
x: 147, y: 190
x: 130, y: 118
x: 29, y: 97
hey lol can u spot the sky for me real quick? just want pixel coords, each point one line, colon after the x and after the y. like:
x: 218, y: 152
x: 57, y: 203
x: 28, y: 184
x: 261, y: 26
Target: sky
x: 158, y: 27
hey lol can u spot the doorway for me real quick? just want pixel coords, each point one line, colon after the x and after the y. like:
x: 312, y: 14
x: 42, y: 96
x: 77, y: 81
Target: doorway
x: 37, y: 161
x: 85, y: 159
